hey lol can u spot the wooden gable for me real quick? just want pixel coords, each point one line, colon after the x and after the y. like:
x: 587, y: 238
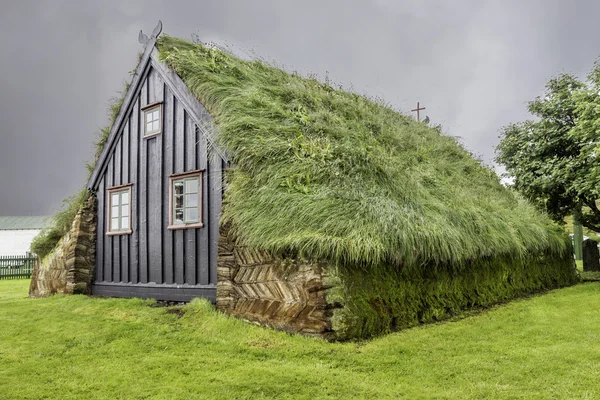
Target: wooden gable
x: 152, y: 260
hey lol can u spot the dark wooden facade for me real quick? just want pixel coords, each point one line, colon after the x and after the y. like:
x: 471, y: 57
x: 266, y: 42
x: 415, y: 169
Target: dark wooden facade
x: 154, y: 261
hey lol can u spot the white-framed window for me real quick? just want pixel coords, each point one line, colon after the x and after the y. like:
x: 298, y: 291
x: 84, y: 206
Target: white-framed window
x: 186, y: 200
x: 119, y: 210
x: 152, y: 120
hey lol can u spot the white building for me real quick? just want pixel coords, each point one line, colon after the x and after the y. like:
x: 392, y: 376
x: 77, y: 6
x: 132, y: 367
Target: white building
x: 16, y: 234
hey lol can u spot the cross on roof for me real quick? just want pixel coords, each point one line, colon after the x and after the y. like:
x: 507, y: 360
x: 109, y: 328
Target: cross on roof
x: 417, y: 110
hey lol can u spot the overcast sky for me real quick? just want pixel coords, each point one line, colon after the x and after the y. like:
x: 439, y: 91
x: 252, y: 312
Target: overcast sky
x: 472, y: 64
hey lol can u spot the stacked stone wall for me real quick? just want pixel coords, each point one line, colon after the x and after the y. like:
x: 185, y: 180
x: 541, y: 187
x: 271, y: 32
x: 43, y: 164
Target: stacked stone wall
x: 280, y: 293
x: 70, y: 266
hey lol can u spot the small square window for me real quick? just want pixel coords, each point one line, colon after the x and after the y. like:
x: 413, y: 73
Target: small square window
x: 152, y: 120
x: 186, y: 200
x: 119, y: 210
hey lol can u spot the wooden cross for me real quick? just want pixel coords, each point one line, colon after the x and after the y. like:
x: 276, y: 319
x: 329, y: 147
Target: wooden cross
x: 417, y: 110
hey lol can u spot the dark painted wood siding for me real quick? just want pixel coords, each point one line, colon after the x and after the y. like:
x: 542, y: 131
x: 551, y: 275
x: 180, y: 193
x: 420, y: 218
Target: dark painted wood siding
x: 153, y: 261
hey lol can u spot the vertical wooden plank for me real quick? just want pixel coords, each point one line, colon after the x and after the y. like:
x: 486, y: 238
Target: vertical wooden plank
x: 215, y: 193
x: 145, y: 94
x: 179, y: 128
x: 100, y: 231
x: 125, y: 153
x: 116, y: 240
x: 143, y: 199
x: 155, y: 87
x: 190, y: 143
x: 108, y: 243
x: 124, y: 245
x: 190, y: 234
x: 134, y: 166
x: 167, y: 170
x: 179, y: 167
x: 124, y: 248
x: 154, y: 190
x: 202, y: 242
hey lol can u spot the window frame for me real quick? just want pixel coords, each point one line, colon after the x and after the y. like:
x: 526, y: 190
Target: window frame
x: 147, y: 110
x: 109, y: 192
x: 199, y: 174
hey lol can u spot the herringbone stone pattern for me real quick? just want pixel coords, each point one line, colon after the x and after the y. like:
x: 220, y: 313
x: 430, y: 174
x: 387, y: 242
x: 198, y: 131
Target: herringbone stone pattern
x: 283, y: 294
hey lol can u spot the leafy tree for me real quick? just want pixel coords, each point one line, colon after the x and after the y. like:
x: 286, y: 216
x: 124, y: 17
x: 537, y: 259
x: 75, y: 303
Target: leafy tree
x: 554, y: 158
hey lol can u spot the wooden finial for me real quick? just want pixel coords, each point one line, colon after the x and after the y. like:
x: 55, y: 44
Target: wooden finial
x: 143, y: 38
x: 157, y: 30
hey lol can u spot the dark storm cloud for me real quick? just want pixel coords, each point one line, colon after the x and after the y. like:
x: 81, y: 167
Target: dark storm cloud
x: 473, y: 64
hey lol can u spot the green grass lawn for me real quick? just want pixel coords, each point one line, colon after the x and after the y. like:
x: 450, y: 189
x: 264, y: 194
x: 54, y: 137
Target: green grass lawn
x: 75, y: 347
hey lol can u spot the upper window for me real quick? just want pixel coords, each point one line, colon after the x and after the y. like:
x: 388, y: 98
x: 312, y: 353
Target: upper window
x: 186, y: 204
x: 152, y: 120
x: 119, y: 210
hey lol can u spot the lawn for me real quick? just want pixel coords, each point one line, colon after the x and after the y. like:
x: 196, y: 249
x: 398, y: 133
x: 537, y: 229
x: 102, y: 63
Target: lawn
x: 546, y: 346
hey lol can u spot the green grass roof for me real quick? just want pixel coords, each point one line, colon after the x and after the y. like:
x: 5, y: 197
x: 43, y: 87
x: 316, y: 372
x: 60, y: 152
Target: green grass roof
x: 327, y: 174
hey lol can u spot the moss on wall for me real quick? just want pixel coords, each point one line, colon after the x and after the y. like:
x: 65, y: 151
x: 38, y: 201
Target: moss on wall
x: 386, y: 299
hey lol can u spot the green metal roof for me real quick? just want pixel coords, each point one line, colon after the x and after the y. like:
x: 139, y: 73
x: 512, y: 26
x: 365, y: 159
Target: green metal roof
x: 15, y: 223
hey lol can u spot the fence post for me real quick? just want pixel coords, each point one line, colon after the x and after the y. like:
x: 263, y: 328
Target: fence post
x: 578, y: 240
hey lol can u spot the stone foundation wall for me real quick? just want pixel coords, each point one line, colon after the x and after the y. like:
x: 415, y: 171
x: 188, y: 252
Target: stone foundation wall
x: 282, y: 294
x: 70, y: 266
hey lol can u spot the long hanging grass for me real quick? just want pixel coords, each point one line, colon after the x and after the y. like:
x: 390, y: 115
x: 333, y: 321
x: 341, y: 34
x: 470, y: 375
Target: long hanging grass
x: 321, y: 173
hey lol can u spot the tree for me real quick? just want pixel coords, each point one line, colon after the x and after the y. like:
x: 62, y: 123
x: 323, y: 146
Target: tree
x: 554, y: 158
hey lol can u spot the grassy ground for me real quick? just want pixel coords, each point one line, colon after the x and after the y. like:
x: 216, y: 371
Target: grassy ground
x: 76, y: 347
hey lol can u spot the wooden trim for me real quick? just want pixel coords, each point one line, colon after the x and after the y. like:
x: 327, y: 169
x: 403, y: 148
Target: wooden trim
x: 185, y: 174
x: 200, y: 174
x: 151, y: 105
x: 129, y: 232
x: 188, y: 226
x: 113, y: 188
x: 144, y: 111
x: 176, y: 292
x: 108, y: 202
x: 152, y: 135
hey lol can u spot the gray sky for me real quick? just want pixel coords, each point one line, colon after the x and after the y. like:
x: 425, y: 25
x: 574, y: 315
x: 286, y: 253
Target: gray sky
x: 472, y: 64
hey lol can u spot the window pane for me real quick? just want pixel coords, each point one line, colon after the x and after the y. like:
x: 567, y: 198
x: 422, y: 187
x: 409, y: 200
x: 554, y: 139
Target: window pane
x: 114, y: 212
x: 125, y: 211
x: 125, y: 197
x: 178, y: 187
x: 191, y: 200
x: 155, y: 116
x: 125, y: 223
x: 191, y: 185
x: 114, y: 224
x: 114, y: 199
x: 155, y: 126
x: 191, y: 214
x: 149, y: 127
x: 178, y: 202
x: 178, y: 216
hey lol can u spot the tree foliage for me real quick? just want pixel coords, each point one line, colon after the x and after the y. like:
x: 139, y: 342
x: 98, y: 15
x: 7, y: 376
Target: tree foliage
x: 554, y: 158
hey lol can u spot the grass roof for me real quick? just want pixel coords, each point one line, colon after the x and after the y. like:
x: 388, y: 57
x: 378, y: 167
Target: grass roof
x: 328, y: 174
